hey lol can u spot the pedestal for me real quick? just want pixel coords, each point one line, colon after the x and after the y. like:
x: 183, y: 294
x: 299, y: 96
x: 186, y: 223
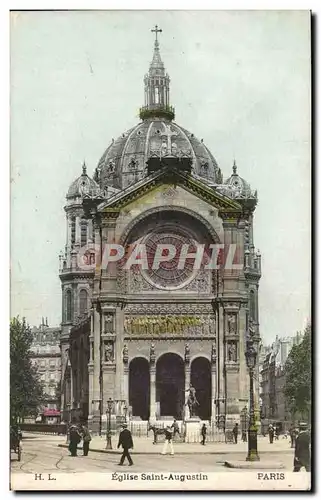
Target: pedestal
x: 192, y: 430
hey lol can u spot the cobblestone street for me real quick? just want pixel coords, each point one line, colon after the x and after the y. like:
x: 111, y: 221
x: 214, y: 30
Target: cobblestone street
x: 41, y: 454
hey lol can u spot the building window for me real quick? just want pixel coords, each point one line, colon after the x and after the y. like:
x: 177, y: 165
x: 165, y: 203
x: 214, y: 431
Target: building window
x: 73, y: 230
x: 83, y: 232
x: 83, y: 301
x: 68, y: 305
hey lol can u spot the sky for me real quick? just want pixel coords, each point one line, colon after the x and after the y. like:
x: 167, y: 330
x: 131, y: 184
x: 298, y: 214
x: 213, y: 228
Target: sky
x: 240, y: 80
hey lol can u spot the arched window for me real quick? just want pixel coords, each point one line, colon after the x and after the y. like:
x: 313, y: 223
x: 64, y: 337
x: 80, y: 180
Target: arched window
x: 83, y: 301
x: 69, y: 307
x: 73, y: 230
x: 252, y: 305
x: 83, y: 232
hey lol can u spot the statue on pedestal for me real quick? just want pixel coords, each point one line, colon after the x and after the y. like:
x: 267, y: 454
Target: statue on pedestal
x: 109, y: 354
x: 125, y: 354
x: 231, y: 352
x: 231, y: 323
x: 192, y: 402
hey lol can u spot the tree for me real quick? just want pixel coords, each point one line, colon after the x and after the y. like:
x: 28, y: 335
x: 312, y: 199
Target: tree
x: 26, y: 391
x: 298, y: 376
x: 58, y: 394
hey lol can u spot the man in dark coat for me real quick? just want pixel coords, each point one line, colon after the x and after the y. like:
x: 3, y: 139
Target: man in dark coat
x: 302, y: 449
x: 235, y: 432
x: 203, y: 433
x: 126, y: 441
x: 175, y: 428
x: 86, y: 439
x: 74, y: 438
x: 271, y: 433
x: 292, y: 435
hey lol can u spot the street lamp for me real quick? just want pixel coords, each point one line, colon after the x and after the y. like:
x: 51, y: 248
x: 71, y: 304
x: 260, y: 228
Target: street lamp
x: 125, y: 411
x: 68, y: 422
x: 108, y: 435
x: 251, y: 355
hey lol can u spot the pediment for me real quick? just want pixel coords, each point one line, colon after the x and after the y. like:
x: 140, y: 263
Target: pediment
x: 187, y: 182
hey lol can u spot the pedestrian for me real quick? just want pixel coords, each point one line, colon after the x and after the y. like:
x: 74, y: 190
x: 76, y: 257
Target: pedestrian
x: 126, y: 441
x: 168, y: 441
x: 271, y: 433
x: 203, y: 433
x: 302, y: 449
x: 86, y: 439
x: 235, y: 432
x: 175, y: 428
x: 244, y: 438
x: 292, y: 435
x: 74, y: 438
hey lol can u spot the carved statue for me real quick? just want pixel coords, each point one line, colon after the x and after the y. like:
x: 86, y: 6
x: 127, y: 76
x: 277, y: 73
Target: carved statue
x: 231, y: 323
x: 132, y: 164
x: 125, y: 354
x: 152, y: 353
x: 213, y: 353
x: 187, y: 353
x: 251, y: 328
x: 231, y: 352
x: 109, y: 323
x: 219, y: 177
x: 192, y: 402
x: 109, y: 355
x: 111, y: 166
x: 164, y: 148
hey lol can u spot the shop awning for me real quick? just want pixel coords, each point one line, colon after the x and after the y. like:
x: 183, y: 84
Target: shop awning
x: 51, y: 413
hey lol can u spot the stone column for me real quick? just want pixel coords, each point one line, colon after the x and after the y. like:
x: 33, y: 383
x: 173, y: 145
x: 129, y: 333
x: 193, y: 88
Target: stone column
x: 89, y: 231
x: 97, y: 362
x: 77, y: 235
x: 152, y: 392
x: 213, y: 380
x: 126, y: 386
x: 187, y: 384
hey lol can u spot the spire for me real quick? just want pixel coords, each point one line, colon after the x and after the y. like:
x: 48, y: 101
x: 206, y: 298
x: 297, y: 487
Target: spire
x: 84, y: 168
x: 156, y: 84
x: 157, y: 65
x: 234, y: 167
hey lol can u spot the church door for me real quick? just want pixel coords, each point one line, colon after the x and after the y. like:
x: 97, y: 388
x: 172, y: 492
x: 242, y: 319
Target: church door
x: 201, y: 381
x: 139, y: 388
x: 170, y: 384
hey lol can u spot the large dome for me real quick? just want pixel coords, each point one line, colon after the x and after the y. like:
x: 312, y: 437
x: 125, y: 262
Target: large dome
x: 124, y: 161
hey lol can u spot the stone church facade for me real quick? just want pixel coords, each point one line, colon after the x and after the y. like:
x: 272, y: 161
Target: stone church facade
x: 141, y: 335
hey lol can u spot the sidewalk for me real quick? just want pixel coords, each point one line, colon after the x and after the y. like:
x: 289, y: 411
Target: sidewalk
x: 144, y: 445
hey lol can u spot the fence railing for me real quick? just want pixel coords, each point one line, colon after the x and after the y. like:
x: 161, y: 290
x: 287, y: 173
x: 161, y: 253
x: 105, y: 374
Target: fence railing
x: 45, y: 428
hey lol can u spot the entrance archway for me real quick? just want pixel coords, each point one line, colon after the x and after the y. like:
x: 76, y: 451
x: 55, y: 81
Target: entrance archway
x: 201, y: 381
x: 170, y: 385
x: 139, y: 387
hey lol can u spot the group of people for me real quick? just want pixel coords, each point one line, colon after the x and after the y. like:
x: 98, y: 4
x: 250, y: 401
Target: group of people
x: 300, y: 441
x: 78, y: 432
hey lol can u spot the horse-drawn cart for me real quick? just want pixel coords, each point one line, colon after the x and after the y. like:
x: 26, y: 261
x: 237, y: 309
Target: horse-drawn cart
x: 15, y: 438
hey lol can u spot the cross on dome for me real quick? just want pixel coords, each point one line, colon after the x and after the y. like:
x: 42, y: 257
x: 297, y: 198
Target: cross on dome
x: 156, y: 31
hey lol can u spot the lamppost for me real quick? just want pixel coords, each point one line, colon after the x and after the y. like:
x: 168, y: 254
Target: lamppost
x: 251, y: 355
x: 108, y: 435
x: 125, y: 411
x: 68, y: 422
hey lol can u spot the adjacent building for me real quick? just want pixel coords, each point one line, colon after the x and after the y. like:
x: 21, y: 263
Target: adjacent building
x: 272, y: 381
x: 46, y: 357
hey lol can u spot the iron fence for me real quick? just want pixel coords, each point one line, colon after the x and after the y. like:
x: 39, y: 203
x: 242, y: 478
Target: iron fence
x: 45, y: 428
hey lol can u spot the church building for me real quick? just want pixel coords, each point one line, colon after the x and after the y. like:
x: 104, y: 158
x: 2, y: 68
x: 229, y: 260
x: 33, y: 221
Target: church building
x: 140, y: 335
